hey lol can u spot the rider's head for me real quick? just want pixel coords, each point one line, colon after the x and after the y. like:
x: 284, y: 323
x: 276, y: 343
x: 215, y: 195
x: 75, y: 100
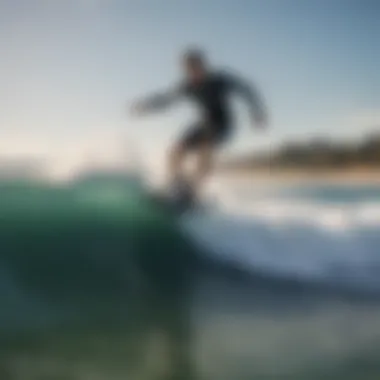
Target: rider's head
x: 195, y: 64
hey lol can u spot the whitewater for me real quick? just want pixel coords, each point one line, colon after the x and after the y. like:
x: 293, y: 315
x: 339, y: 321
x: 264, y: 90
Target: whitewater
x: 326, y: 232
x: 263, y: 282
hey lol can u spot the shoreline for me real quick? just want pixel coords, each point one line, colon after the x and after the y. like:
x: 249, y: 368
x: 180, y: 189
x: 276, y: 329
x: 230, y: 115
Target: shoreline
x: 357, y: 176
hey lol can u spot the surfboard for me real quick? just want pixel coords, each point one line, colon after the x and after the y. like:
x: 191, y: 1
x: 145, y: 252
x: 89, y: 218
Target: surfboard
x: 178, y: 199
x: 174, y: 204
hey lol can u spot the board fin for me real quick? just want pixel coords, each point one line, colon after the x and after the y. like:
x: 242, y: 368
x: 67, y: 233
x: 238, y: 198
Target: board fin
x: 178, y: 199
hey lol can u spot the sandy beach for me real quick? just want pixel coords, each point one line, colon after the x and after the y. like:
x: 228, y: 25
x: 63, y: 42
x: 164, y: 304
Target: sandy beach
x: 351, y: 176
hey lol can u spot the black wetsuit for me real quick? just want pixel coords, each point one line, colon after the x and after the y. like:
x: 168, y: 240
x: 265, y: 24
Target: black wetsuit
x: 212, y: 97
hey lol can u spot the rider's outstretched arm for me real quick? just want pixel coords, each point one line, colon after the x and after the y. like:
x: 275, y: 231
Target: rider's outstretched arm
x: 251, y: 94
x: 161, y: 100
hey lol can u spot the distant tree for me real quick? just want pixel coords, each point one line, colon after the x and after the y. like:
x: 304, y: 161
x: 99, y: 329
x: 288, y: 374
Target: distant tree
x: 317, y: 153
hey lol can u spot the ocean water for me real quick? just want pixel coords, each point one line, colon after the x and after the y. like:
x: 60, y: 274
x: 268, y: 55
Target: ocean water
x: 96, y: 282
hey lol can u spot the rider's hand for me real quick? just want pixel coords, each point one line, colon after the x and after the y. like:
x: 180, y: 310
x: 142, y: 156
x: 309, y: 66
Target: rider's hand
x: 260, y: 122
x: 137, y: 109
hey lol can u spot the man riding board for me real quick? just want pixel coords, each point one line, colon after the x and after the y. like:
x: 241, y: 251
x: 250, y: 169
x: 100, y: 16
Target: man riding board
x: 210, y: 91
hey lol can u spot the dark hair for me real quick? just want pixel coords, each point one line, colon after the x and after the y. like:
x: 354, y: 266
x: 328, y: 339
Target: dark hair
x: 194, y: 56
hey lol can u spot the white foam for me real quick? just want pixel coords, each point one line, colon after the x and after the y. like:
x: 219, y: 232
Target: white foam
x: 313, y: 240
x: 324, y: 215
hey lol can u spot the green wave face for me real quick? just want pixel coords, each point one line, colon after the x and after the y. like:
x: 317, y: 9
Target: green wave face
x: 88, y: 272
x: 86, y: 242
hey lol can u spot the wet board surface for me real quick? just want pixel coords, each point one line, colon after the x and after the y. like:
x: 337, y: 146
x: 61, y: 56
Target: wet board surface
x: 173, y: 205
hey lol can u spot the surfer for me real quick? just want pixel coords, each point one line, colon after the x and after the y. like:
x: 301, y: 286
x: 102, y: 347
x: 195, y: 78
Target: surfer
x: 209, y: 89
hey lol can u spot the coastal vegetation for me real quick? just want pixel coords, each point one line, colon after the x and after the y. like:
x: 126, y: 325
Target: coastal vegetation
x: 314, y: 154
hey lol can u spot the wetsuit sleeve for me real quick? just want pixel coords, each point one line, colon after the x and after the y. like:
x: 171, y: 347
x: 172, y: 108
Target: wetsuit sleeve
x: 250, y: 94
x: 163, y: 100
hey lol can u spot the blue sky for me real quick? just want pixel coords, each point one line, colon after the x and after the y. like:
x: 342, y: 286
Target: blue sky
x: 68, y: 68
